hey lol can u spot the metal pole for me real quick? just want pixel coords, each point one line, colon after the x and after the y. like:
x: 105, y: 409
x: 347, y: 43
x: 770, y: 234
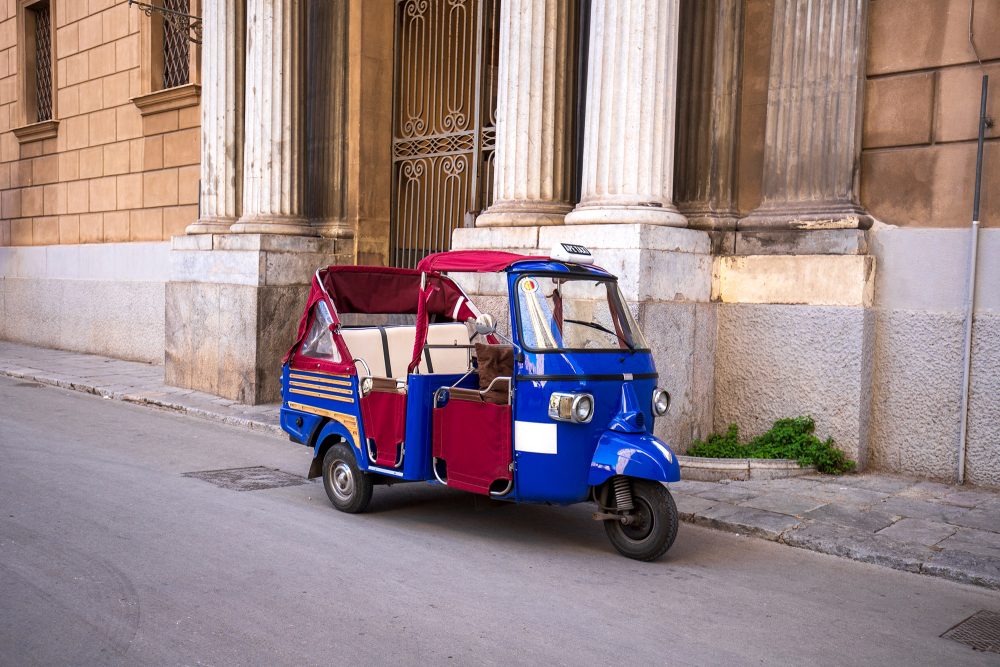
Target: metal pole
x: 970, y: 297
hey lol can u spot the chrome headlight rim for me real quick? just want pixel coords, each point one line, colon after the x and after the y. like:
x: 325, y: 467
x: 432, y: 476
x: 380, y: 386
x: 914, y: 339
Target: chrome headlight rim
x: 566, y: 407
x: 661, y: 401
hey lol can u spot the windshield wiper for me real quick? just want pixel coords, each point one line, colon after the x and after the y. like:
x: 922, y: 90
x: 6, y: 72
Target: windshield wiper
x: 600, y: 327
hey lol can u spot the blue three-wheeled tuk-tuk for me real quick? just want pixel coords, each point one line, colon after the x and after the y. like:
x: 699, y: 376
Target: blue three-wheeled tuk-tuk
x: 397, y: 376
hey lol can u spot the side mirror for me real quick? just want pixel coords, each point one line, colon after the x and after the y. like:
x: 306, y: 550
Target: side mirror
x: 485, y: 325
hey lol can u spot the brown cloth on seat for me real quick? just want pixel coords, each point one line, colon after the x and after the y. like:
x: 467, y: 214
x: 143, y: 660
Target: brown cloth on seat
x: 495, y: 361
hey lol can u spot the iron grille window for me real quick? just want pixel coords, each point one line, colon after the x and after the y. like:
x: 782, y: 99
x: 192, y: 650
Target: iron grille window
x: 176, y: 46
x: 43, y: 61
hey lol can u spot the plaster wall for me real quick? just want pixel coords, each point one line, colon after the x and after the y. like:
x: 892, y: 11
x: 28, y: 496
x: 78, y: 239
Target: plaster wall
x: 919, y: 311
x: 96, y: 298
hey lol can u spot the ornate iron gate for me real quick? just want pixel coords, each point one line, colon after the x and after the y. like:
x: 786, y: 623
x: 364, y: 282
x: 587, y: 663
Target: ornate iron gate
x: 444, y: 118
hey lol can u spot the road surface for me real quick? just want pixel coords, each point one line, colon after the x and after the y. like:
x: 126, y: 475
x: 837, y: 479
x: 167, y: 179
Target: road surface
x: 109, y: 555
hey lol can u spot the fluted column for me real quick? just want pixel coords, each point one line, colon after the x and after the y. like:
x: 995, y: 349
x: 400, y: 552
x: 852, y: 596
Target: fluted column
x: 628, y: 154
x: 534, y: 149
x: 711, y: 41
x: 326, y: 66
x: 223, y: 41
x: 812, y: 142
x: 273, y: 155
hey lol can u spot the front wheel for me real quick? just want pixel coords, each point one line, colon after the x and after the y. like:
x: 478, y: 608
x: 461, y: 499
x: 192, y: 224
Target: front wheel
x: 348, y: 487
x: 654, y: 524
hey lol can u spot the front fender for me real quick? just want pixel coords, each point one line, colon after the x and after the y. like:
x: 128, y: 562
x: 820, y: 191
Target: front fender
x: 634, y: 455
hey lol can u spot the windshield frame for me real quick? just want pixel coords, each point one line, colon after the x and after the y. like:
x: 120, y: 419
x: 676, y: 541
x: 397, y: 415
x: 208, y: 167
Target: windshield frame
x: 514, y: 306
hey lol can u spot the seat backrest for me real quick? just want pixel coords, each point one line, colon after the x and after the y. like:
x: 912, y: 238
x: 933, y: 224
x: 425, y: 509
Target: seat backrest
x: 366, y: 343
x: 443, y: 359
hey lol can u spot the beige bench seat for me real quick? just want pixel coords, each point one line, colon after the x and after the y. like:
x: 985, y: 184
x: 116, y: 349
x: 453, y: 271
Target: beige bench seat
x: 387, y: 350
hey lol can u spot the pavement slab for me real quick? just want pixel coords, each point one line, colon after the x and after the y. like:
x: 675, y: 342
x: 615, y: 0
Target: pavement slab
x: 782, y: 503
x: 919, y: 531
x: 981, y: 542
x: 851, y: 516
x: 859, y: 545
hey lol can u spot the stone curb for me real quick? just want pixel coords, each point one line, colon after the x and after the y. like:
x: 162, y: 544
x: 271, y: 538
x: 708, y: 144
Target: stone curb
x: 958, y: 566
x: 139, y: 399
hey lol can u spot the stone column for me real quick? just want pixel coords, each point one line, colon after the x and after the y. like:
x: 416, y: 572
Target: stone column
x: 709, y: 64
x: 223, y: 42
x: 534, y: 150
x: 628, y: 153
x: 273, y: 155
x: 326, y: 67
x: 812, y: 141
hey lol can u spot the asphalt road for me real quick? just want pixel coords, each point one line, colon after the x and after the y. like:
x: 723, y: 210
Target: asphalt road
x: 108, y: 555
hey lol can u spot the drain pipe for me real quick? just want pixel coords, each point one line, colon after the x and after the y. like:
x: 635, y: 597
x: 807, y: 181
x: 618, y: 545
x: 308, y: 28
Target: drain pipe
x: 970, y: 297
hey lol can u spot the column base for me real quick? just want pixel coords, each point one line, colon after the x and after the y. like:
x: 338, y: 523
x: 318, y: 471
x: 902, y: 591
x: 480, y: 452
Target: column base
x: 333, y: 228
x: 809, y: 216
x: 232, y: 306
x: 625, y: 214
x: 214, y: 225
x: 523, y: 214
x: 277, y: 224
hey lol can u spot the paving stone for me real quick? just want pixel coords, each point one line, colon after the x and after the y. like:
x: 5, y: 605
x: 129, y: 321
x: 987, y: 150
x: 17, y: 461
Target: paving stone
x: 881, y: 483
x: 851, y: 516
x: 858, y: 545
x: 967, y: 499
x: 918, y: 531
x: 692, y: 486
x: 914, y: 509
x: 982, y: 519
x: 965, y: 567
x: 926, y: 490
x: 691, y: 505
x: 979, y: 542
x: 782, y: 503
x: 727, y: 493
x: 846, y: 495
x: 746, y: 521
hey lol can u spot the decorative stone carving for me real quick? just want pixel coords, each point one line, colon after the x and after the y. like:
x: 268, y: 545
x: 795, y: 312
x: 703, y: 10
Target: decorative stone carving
x: 628, y: 153
x: 534, y: 150
x: 813, y: 134
x: 273, y: 155
x: 223, y: 46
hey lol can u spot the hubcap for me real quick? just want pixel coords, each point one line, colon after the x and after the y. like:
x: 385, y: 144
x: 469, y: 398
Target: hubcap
x: 642, y: 523
x: 342, y: 480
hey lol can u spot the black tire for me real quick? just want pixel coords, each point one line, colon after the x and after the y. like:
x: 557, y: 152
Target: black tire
x: 654, y: 533
x: 347, y: 487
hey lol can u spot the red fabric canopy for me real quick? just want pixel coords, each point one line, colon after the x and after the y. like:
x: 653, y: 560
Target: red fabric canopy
x: 386, y: 290
x: 472, y: 261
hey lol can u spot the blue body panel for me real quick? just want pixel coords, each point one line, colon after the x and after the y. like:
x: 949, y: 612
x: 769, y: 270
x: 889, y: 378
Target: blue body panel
x: 633, y: 455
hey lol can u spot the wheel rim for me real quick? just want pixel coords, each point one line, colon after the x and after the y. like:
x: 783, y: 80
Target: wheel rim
x: 341, y: 480
x: 642, y: 524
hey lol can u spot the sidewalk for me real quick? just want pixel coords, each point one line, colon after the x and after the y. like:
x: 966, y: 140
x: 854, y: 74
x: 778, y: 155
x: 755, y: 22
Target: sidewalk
x: 906, y: 524
x: 130, y: 381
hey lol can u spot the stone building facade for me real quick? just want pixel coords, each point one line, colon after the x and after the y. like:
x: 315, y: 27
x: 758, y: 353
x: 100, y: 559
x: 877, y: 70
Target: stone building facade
x: 784, y: 186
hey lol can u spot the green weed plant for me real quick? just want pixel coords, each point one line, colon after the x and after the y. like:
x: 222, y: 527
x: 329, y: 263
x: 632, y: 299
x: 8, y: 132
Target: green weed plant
x: 793, y: 438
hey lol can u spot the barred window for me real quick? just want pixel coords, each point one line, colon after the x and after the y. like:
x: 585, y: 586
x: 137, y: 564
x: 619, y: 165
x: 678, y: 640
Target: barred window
x: 176, y: 61
x: 43, y: 60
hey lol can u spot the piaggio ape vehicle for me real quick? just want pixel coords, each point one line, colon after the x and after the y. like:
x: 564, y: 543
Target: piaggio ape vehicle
x: 397, y: 376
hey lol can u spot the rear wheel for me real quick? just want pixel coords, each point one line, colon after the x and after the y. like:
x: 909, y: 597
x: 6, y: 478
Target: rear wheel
x: 654, y: 523
x: 348, y: 487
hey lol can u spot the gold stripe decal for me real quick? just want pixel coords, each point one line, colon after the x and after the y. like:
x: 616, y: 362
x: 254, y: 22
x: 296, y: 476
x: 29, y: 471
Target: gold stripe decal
x: 309, y: 375
x: 321, y: 387
x: 313, y: 378
x: 349, y: 421
x: 316, y: 394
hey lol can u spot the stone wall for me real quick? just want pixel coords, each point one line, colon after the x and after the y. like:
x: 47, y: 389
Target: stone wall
x: 922, y: 112
x: 110, y: 171
x: 103, y: 299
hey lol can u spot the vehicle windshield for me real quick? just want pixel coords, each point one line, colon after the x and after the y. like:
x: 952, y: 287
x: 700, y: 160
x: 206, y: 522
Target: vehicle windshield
x: 574, y: 313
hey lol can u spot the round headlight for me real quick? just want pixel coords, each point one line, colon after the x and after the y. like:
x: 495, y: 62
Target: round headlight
x: 661, y: 402
x: 583, y: 408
